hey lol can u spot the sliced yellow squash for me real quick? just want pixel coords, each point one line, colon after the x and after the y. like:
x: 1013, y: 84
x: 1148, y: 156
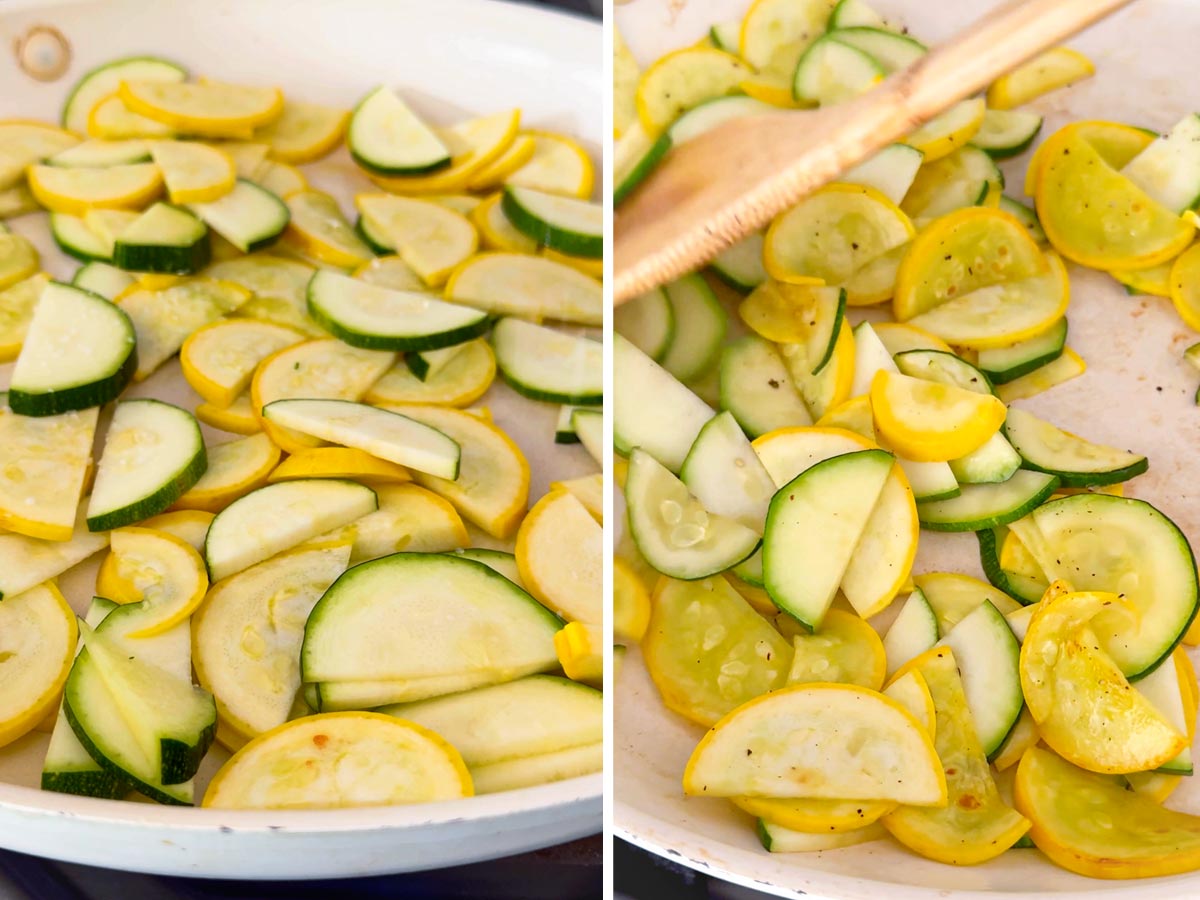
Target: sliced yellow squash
x: 78, y: 190
x: 37, y: 645
x: 1048, y: 71
x: 193, y: 172
x: 931, y: 422
x: 569, y: 584
x: 320, y: 230
x: 205, y: 108
x: 460, y: 382
x: 304, y: 132
x: 339, y: 462
x: 235, y: 468
x: 158, y: 569
x: 43, y: 465
x: 558, y: 165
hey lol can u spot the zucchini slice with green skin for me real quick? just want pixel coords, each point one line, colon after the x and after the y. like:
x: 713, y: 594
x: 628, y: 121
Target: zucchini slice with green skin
x: 711, y: 113
x: 102, y: 279
x: 636, y: 155
x: 913, y: 631
x: 1076, y: 462
x: 1161, y: 687
x: 741, y: 266
x: 544, y: 364
x: 153, y: 454
x: 988, y: 655
x: 724, y: 473
x: 700, y: 327
x: 132, y: 706
x: 74, y: 238
x: 48, y: 379
x: 945, y: 368
x: 249, y: 217
x: 163, y: 239
x: 565, y: 224
x: 496, y: 560
x: 994, y: 462
x: 386, y: 137
x: 381, y: 433
x: 1007, y: 132
x: 1005, y: 364
x: 1099, y: 542
x: 1167, y: 170
x: 68, y: 768
x: 981, y: 506
x: 651, y: 408
x: 891, y: 50
x: 1022, y: 588
x: 1026, y: 216
x: 426, y: 364
x: 103, y: 81
x: 726, y: 36
x: 648, y: 322
x: 756, y: 387
x: 373, y: 236
x: 410, y: 616
x: 376, y: 318
x: 810, y: 538
x: 830, y: 72
x: 673, y: 531
x: 564, y: 428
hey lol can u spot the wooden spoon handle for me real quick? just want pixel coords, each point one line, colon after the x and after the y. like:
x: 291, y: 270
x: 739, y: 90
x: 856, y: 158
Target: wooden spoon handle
x: 1006, y: 36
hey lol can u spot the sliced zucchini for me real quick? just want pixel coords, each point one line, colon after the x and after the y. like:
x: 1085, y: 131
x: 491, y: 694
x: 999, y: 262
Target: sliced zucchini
x: 103, y: 81
x: 891, y: 171
x: 635, y: 155
x: 429, y: 363
x: 544, y: 364
x: 893, y: 51
x: 756, y: 387
x: 1076, y: 462
x: 1021, y: 587
x: 247, y: 635
x: 165, y: 239
x: 944, y: 368
x: 987, y: 653
x: 830, y: 72
x: 102, y: 279
x: 966, y: 177
x: 913, y: 631
x: 249, y: 217
x: 164, y: 319
x: 279, y: 516
x: 564, y: 428
x: 376, y: 318
x: 524, y: 719
x: 1167, y: 169
x: 930, y: 481
x: 1162, y: 688
x: 982, y: 506
x: 381, y: 433
x: 651, y: 409
x: 516, y: 284
x: 387, y: 619
x: 76, y: 239
x: 1007, y: 132
x: 700, y: 327
x: 741, y: 265
x: 1098, y: 542
x: 135, y: 711
x: 648, y: 322
x: 711, y: 113
x: 673, y: 531
x: 994, y: 462
x: 564, y: 224
x: 1027, y: 216
x: 334, y: 696
x: 778, y: 839
x: 1005, y: 364
x: 724, y: 473
x: 802, y: 574
x: 47, y: 379
x: 68, y: 768
x: 99, y: 154
x: 855, y: 13
x: 153, y: 454
x: 387, y: 138
x: 374, y: 236
x: 589, y: 428
x: 409, y: 518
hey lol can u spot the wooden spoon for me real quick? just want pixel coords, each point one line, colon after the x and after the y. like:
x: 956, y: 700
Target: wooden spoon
x: 716, y: 189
